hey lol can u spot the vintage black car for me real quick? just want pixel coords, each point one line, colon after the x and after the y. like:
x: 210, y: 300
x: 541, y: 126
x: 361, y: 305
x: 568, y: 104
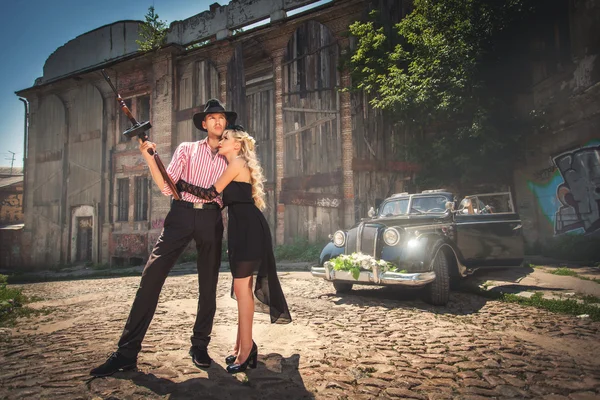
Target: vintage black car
x: 431, y: 241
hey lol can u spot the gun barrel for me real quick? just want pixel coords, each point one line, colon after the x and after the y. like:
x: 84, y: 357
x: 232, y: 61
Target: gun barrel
x: 107, y: 78
x: 120, y: 99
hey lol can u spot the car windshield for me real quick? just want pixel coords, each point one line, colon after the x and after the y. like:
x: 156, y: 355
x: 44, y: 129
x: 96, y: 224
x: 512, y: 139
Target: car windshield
x: 420, y: 205
x: 394, y: 207
x: 424, y: 205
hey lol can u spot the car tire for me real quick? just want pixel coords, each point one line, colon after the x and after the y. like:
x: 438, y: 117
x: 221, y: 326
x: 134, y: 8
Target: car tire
x: 342, y: 287
x: 438, y: 292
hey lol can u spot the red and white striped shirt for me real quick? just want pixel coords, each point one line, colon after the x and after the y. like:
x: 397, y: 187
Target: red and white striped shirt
x: 195, y: 163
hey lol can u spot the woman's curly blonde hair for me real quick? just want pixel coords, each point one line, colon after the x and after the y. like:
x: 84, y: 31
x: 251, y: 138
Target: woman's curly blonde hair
x: 248, y: 153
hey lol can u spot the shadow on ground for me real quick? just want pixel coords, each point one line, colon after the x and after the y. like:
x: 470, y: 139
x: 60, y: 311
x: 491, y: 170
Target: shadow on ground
x: 275, y: 377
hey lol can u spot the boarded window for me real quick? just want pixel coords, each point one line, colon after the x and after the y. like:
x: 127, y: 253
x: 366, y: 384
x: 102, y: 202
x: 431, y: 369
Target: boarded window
x: 123, y: 199
x: 143, y: 108
x: 124, y: 123
x: 141, y: 198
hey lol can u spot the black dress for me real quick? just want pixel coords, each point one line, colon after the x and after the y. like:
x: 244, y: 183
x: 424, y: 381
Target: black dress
x: 249, y: 246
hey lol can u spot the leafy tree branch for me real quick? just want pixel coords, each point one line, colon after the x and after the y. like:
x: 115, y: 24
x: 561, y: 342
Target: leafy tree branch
x: 435, y: 73
x: 153, y: 32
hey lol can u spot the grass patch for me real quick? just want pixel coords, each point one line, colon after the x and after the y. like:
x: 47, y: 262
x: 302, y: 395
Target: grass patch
x: 561, y: 306
x: 300, y: 250
x: 564, y: 271
x: 12, y: 303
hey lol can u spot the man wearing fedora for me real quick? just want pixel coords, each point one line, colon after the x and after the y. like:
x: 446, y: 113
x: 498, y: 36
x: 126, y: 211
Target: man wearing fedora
x: 189, y: 218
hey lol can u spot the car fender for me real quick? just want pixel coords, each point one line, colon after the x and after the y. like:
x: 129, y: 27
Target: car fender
x: 419, y: 251
x: 330, y: 251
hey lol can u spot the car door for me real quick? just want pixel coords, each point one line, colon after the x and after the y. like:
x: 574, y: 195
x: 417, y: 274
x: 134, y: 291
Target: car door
x: 489, y: 236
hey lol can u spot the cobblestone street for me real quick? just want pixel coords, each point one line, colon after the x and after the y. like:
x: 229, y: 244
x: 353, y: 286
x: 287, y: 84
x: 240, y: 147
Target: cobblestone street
x: 372, y: 343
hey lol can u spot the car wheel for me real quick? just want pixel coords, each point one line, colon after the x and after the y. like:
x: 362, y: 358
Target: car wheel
x: 438, y: 291
x: 342, y: 287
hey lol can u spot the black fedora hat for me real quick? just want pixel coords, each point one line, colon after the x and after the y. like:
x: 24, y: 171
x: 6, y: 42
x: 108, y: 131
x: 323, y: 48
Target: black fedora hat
x: 213, y: 106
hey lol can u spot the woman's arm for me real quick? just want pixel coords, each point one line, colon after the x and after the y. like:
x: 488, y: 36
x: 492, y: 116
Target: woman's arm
x: 208, y: 194
x: 230, y: 173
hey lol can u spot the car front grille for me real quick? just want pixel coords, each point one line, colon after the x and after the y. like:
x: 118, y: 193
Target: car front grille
x: 363, y: 239
x: 368, y: 242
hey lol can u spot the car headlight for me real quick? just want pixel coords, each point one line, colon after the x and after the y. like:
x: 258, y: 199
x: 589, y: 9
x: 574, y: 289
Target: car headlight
x: 391, y: 236
x: 339, y: 238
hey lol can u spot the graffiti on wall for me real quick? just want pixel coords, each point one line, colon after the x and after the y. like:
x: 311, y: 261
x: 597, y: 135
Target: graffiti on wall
x: 129, y: 245
x: 158, y: 223
x: 569, y: 191
x: 11, y: 209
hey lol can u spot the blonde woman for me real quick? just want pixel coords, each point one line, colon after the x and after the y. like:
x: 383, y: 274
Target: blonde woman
x: 249, y: 241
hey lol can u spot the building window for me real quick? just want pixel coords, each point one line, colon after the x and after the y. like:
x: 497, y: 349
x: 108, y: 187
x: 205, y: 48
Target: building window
x: 141, y: 198
x: 123, y: 199
x: 143, y: 108
x: 124, y: 123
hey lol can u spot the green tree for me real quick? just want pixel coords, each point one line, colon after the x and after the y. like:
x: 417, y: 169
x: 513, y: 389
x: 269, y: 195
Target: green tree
x: 153, y: 32
x: 434, y: 72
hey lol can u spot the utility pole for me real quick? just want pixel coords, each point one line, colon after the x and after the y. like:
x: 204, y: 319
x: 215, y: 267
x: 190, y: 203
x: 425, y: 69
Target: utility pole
x: 12, y: 160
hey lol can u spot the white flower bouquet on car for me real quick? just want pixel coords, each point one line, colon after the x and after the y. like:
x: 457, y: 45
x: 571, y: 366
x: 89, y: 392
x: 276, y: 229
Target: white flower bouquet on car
x: 356, y: 262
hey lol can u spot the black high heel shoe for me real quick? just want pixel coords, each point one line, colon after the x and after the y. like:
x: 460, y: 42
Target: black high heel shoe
x: 250, y: 362
x: 230, y: 359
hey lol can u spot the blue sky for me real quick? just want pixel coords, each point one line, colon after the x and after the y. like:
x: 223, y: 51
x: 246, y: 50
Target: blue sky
x: 31, y: 30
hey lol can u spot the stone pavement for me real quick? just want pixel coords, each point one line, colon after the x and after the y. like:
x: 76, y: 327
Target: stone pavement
x: 372, y: 343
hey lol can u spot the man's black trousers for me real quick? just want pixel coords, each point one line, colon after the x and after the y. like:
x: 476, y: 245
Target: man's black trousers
x: 181, y: 225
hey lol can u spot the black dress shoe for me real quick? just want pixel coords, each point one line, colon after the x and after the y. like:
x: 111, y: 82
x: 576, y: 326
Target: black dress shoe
x: 250, y: 362
x: 115, y: 362
x: 200, y: 357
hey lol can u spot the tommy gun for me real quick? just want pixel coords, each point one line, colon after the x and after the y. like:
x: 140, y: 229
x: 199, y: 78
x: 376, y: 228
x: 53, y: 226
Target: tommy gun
x: 139, y: 129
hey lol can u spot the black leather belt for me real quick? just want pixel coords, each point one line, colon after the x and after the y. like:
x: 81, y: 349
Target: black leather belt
x: 197, y: 206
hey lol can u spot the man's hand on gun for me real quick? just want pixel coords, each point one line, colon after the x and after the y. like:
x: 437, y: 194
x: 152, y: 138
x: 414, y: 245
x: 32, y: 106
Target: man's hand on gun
x: 145, y: 146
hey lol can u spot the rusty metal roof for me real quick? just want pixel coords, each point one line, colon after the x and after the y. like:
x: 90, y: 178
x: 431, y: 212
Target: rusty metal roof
x: 5, y: 182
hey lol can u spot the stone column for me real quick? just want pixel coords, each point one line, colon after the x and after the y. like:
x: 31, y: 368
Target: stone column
x: 348, y: 174
x: 279, y: 153
x: 27, y: 249
x: 222, y: 59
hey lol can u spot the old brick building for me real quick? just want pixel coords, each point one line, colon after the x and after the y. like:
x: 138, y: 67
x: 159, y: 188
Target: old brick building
x: 327, y: 155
